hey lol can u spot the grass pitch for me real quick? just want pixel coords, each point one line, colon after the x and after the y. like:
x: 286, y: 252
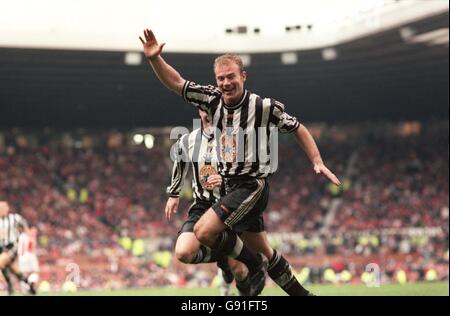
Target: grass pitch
x: 412, y: 289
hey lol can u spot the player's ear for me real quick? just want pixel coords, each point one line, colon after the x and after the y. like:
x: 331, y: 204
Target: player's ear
x: 244, y: 75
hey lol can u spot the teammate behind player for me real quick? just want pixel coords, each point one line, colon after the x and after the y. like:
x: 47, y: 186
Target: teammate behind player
x: 199, y: 150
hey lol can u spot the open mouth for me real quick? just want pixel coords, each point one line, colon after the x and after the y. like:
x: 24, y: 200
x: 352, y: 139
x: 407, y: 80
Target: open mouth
x: 228, y: 91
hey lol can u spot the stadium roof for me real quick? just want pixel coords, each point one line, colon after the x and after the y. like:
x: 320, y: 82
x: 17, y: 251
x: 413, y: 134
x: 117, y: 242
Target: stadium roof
x: 203, y: 26
x: 401, y: 73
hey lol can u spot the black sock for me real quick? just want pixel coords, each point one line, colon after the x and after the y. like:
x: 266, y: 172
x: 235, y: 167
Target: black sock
x: 8, y: 281
x: 229, y: 244
x: 21, y: 277
x: 205, y: 255
x: 222, y: 263
x: 281, y: 272
x: 243, y: 286
x: 24, y: 279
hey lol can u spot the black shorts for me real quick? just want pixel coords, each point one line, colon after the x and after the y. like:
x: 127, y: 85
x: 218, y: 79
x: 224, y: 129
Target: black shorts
x: 195, y: 212
x: 242, y: 206
x: 256, y: 225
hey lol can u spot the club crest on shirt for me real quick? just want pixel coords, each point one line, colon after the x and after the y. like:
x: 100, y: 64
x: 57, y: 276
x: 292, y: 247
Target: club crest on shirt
x: 228, y: 148
x: 205, y: 172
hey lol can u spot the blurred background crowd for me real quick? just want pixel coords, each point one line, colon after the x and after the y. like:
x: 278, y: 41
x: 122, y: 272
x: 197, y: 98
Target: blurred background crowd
x: 98, y: 197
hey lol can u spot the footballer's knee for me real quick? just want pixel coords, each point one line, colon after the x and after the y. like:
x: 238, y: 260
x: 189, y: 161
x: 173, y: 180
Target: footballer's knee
x: 203, y: 235
x: 186, y: 247
x: 184, y: 255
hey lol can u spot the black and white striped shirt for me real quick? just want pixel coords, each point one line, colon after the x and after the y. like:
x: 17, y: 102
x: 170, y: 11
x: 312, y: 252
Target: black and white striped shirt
x: 247, y: 144
x: 10, y: 229
x: 199, y: 149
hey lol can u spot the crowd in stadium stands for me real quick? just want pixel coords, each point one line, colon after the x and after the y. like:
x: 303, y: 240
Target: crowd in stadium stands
x: 98, y: 200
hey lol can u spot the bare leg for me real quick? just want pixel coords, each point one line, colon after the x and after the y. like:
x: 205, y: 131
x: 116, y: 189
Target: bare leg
x: 211, y: 231
x: 8, y: 280
x: 208, y: 228
x: 258, y: 242
x: 14, y: 268
x: 186, y: 247
x: 239, y: 269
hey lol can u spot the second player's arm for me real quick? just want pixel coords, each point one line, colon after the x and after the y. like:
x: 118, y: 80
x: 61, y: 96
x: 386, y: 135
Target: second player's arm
x: 23, y: 224
x: 179, y: 172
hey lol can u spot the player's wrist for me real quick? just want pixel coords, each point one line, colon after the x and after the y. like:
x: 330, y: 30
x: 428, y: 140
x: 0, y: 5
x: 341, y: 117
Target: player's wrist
x: 317, y: 161
x: 152, y: 58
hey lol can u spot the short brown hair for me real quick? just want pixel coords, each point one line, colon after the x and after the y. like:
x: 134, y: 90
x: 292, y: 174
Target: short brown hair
x: 226, y: 58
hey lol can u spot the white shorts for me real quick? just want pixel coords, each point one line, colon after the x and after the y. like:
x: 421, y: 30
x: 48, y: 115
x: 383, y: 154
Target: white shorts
x: 28, y: 263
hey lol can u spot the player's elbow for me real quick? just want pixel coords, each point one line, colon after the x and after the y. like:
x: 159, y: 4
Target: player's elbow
x: 176, y: 85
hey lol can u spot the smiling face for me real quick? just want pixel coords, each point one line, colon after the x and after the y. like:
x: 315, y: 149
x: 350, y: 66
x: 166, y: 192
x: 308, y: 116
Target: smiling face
x: 230, y: 78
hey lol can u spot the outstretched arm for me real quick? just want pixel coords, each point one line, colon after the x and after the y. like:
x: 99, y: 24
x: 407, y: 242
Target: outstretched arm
x: 165, y: 73
x: 306, y: 141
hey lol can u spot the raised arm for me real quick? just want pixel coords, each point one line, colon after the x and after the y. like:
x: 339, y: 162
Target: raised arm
x: 165, y: 73
x: 306, y: 141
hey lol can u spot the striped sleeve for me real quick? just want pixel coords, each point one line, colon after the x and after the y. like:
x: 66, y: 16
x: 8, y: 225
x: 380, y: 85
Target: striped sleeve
x: 203, y: 97
x: 21, y: 222
x: 180, y: 158
x: 285, y: 122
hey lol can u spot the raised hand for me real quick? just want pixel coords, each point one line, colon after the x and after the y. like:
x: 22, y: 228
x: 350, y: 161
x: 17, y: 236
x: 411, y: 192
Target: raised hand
x: 320, y: 168
x: 151, y: 47
x: 171, y: 207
